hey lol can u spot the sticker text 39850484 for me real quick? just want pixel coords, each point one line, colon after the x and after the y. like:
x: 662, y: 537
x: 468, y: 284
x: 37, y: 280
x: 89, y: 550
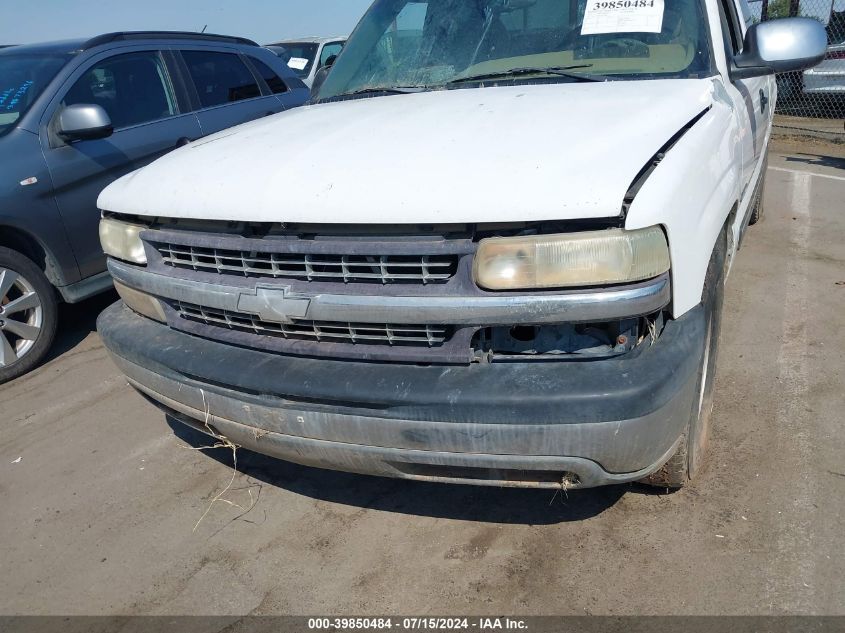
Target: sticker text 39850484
x: 622, y: 16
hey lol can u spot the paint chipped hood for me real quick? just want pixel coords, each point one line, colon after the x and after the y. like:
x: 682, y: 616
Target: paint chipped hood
x: 517, y: 153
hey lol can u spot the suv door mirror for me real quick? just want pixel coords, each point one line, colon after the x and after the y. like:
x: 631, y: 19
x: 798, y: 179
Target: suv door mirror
x: 84, y: 122
x: 780, y: 46
x: 320, y: 76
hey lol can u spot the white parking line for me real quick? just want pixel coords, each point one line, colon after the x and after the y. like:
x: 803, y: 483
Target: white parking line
x: 791, y: 581
x: 808, y: 173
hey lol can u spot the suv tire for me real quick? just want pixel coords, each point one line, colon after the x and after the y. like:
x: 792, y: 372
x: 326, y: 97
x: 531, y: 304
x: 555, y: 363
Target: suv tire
x: 689, y: 457
x: 28, y: 315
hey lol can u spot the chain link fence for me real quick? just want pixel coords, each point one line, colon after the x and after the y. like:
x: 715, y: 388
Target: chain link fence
x: 813, y: 99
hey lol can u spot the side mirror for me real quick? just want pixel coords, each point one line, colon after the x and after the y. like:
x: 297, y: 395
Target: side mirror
x: 780, y: 46
x: 320, y: 75
x: 84, y: 122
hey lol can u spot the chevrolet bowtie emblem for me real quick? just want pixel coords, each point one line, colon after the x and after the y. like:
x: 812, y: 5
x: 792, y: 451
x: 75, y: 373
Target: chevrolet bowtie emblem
x: 275, y: 304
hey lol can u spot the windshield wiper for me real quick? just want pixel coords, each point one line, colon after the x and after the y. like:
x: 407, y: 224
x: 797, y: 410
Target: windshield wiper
x: 393, y: 90
x: 560, y: 71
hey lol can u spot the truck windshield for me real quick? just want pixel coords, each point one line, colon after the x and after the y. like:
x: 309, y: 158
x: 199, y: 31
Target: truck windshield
x: 430, y: 44
x: 22, y: 79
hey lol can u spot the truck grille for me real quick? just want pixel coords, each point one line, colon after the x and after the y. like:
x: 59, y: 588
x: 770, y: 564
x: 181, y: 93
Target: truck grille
x: 384, y: 269
x: 320, y: 331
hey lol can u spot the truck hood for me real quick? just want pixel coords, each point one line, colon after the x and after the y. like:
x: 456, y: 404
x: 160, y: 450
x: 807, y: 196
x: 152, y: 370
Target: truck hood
x: 516, y: 153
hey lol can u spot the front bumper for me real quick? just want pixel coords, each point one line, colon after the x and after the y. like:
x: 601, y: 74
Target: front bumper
x: 579, y: 424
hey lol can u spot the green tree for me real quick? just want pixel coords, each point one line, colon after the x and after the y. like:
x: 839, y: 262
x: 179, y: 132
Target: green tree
x: 778, y: 9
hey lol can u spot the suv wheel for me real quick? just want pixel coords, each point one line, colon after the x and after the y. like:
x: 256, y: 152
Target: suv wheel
x: 28, y: 315
x: 689, y: 457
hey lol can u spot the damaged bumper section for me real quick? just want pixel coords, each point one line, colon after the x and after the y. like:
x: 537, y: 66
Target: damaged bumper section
x: 524, y: 423
x: 454, y: 328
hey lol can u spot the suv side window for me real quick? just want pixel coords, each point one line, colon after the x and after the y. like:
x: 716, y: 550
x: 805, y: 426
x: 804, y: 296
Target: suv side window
x: 273, y: 81
x: 132, y: 88
x: 220, y: 77
x: 329, y: 50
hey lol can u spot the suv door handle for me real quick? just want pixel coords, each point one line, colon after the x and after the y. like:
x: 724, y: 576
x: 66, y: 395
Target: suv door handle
x: 764, y: 101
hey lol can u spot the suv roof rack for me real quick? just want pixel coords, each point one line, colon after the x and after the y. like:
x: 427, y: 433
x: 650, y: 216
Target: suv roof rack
x: 164, y: 35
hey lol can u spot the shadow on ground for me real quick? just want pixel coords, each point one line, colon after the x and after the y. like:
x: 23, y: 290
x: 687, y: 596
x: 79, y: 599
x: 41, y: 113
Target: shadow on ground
x: 77, y: 321
x: 817, y: 160
x: 466, y: 503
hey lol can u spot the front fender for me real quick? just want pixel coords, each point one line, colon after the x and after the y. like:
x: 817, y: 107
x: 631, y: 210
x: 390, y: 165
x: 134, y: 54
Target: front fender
x: 30, y: 209
x: 691, y: 194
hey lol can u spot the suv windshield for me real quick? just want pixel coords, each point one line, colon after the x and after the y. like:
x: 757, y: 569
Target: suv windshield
x: 22, y: 79
x: 428, y: 44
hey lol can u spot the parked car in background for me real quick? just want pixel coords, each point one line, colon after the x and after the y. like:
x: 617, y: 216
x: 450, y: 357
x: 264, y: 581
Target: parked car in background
x: 308, y: 55
x: 279, y: 51
x: 828, y: 78
x: 74, y: 116
x: 516, y: 277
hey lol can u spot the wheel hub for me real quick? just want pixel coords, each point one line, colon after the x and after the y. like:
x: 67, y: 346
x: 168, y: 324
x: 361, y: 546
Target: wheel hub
x: 21, y: 316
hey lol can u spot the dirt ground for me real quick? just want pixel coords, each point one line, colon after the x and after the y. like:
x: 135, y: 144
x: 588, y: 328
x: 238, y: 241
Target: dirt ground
x: 99, y: 494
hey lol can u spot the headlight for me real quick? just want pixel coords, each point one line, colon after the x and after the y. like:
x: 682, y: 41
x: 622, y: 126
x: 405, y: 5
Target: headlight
x: 122, y: 240
x: 591, y: 258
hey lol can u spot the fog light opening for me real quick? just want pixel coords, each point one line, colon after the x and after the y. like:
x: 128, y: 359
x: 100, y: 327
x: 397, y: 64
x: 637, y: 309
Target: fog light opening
x: 558, y: 341
x: 570, y: 480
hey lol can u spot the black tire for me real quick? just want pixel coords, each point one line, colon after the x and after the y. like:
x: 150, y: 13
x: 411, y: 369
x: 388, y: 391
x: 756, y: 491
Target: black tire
x: 26, y: 333
x: 692, y: 449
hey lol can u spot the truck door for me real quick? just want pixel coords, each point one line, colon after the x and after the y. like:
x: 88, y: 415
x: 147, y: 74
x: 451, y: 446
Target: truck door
x: 135, y: 90
x: 766, y: 86
x: 754, y: 98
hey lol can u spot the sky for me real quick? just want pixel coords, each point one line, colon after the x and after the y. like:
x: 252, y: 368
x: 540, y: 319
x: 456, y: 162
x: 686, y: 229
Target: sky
x: 264, y: 21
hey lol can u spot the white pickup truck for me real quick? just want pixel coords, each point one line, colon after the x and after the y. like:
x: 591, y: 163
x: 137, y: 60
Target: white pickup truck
x: 492, y: 250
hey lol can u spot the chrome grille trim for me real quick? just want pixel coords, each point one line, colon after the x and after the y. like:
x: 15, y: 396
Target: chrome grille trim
x: 384, y: 269
x: 330, y: 331
x: 600, y: 304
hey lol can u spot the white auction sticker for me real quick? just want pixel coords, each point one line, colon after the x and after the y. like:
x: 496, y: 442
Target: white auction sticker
x: 297, y: 63
x: 622, y: 16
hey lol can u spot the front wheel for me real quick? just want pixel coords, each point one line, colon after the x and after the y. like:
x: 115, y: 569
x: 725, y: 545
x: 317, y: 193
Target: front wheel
x: 692, y: 449
x: 28, y: 315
